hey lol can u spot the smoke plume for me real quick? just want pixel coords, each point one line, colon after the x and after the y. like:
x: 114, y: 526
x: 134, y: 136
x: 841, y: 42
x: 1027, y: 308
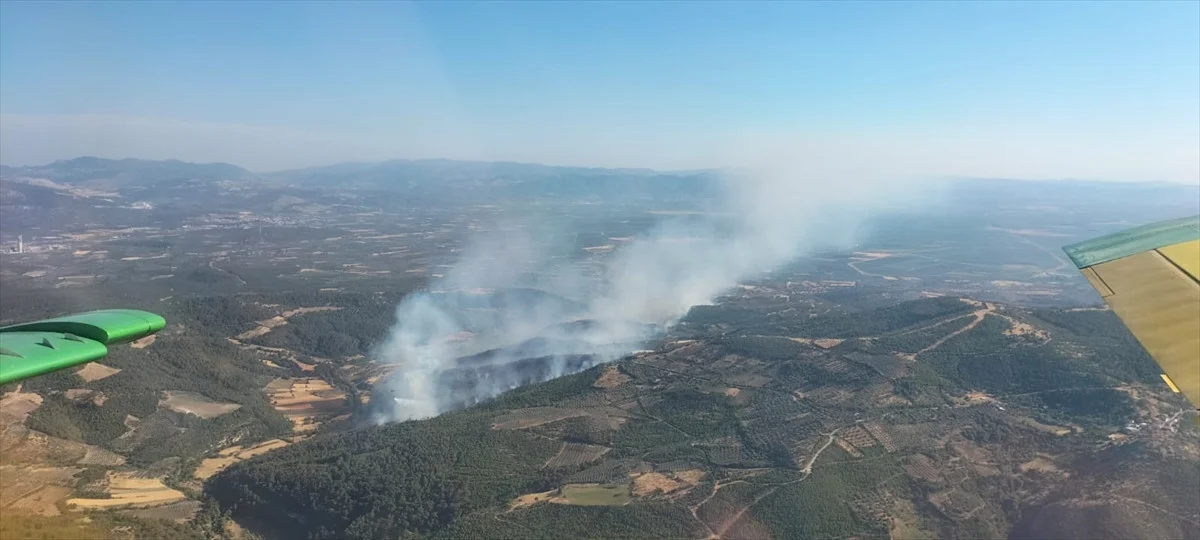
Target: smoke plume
x: 475, y: 334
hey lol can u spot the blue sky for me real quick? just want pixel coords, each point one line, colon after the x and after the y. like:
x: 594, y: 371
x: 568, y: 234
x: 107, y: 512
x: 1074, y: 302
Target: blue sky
x: 1093, y: 90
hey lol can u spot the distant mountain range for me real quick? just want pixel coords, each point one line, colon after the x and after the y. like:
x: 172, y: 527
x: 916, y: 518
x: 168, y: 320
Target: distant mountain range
x: 440, y: 180
x: 417, y: 178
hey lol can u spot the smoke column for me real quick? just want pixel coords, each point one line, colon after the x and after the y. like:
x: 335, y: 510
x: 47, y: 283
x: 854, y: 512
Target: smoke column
x: 763, y: 220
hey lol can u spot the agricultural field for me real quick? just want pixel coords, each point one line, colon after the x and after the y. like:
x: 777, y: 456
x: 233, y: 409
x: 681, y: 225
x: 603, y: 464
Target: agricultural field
x: 128, y: 490
x: 306, y: 402
x: 593, y: 495
x: 576, y: 454
x: 192, y: 403
x: 234, y: 454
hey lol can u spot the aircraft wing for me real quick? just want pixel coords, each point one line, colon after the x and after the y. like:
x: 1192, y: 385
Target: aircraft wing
x: 39, y: 347
x: 1150, y: 276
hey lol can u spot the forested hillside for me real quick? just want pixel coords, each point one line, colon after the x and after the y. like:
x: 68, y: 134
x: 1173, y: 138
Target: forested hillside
x: 968, y: 423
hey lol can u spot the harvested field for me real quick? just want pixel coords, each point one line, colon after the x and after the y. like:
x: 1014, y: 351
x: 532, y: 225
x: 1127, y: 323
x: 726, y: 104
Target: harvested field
x: 234, y: 454
x: 178, y: 512
x: 593, y: 495
x: 655, y: 483
x: 193, y: 403
x: 128, y: 490
x: 611, y: 377
x: 94, y: 371
x: 306, y: 402
x: 531, y: 499
x: 575, y: 454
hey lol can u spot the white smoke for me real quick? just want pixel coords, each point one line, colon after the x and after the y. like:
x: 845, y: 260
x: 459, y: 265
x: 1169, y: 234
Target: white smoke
x: 762, y: 220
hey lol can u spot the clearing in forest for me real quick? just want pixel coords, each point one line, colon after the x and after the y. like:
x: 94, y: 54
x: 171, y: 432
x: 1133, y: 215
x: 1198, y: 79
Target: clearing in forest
x: 611, y: 377
x: 593, y: 495
x: 652, y: 483
x: 193, y: 403
x: 94, y: 371
x: 1040, y: 464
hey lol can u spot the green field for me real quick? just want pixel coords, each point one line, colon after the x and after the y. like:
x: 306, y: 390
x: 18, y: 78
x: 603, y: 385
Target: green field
x: 596, y: 494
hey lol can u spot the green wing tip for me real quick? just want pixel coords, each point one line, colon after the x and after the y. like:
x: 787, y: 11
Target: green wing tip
x: 108, y: 326
x: 1130, y: 241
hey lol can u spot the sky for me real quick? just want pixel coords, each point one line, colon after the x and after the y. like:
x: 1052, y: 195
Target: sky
x: 1105, y: 90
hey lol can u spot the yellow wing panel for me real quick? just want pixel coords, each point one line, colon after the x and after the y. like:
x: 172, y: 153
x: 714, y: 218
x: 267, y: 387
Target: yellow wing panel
x: 1185, y: 255
x: 1161, y: 306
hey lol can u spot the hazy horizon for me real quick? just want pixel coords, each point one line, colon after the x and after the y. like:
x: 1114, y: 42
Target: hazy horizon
x: 1103, y: 91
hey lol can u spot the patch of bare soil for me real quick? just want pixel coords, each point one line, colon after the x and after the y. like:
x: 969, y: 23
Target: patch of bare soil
x: 1020, y: 329
x: 612, y: 377
x: 84, y: 395
x: 144, y: 342
x: 94, y: 371
x: 1040, y: 464
x: 1054, y: 430
x: 675, y: 484
x: 824, y: 343
x: 531, y: 499
x: 16, y: 406
x: 193, y: 403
